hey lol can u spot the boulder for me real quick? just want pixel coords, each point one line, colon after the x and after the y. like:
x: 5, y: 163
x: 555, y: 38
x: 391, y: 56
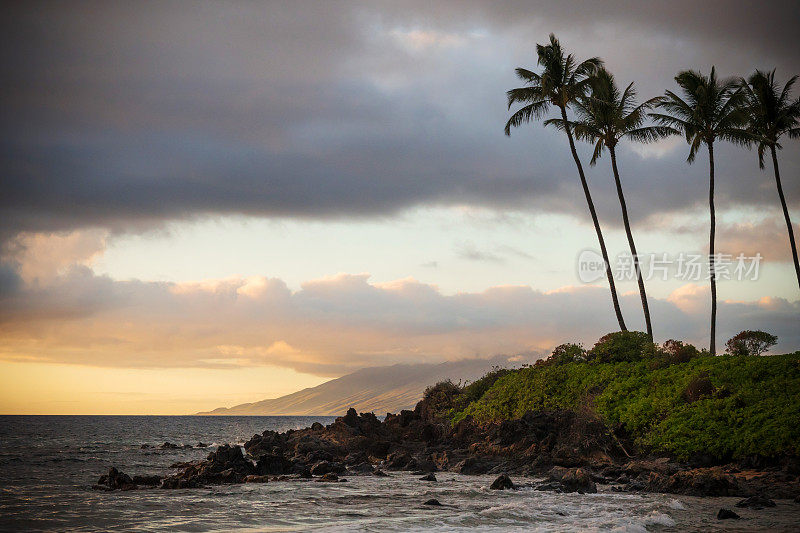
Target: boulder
x: 255, y: 478
x: 697, y: 482
x: 329, y: 477
x: 756, y: 502
x: 362, y: 468
x: 398, y: 460
x: 573, y: 479
x: 474, y: 465
x: 433, y: 502
x: 428, y: 477
x: 169, y: 446
x: 115, y: 480
x: 273, y: 464
x: 148, y: 481
x: 725, y: 514
x: 502, y: 482
x: 323, y: 467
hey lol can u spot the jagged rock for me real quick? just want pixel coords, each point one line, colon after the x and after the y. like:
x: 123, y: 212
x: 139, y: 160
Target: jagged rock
x: 323, y: 467
x: 115, y: 480
x: 474, y: 465
x: 428, y: 477
x: 303, y: 472
x: 398, y: 461
x: 697, y: 482
x: 273, y: 464
x: 380, y: 473
x: 169, y: 446
x: 255, y: 478
x: 756, y: 502
x: 433, y: 502
x: 148, y: 481
x: 202, y: 445
x: 573, y: 479
x: 725, y: 514
x: 316, y: 426
x: 502, y: 482
x: 362, y: 468
x: 330, y: 476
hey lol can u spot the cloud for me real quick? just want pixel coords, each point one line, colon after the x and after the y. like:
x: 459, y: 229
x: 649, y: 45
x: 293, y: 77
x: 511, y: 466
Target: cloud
x: 121, y: 118
x: 332, y: 325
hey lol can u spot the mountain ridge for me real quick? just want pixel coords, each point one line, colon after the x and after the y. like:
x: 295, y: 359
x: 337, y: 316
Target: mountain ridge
x: 373, y: 389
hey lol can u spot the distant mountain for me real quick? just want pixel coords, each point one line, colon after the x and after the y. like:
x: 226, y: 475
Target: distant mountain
x: 378, y: 389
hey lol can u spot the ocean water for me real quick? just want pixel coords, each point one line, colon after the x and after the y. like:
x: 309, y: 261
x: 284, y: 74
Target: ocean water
x: 48, y: 464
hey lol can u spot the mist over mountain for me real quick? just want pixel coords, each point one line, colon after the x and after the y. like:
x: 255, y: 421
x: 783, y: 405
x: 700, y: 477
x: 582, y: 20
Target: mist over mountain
x: 376, y: 389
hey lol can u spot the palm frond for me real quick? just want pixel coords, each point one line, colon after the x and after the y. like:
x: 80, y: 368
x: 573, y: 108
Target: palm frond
x: 526, y: 114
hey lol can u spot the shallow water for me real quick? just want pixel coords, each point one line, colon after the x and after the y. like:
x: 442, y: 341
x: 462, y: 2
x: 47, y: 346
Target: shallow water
x: 48, y: 464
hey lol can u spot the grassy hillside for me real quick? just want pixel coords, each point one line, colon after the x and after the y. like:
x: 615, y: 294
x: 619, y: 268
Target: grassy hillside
x: 728, y: 406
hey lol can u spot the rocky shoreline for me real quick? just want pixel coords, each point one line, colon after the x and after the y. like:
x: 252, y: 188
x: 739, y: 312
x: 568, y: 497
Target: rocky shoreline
x: 564, y: 451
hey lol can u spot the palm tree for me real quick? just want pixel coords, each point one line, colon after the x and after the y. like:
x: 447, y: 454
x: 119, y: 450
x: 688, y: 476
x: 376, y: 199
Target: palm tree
x: 772, y: 114
x: 710, y: 110
x: 561, y: 82
x: 605, y: 117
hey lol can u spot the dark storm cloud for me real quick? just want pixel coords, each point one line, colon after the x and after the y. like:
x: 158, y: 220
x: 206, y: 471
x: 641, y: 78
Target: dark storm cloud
x: 122, y: 115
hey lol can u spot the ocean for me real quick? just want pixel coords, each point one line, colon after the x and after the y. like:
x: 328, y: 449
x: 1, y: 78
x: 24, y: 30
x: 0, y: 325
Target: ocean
x: 49, y: 463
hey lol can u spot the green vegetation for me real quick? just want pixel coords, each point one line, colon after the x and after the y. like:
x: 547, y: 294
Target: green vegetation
x: 671, y: 399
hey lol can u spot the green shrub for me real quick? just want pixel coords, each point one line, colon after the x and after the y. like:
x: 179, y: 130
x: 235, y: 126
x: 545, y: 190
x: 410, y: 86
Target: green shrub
x: 750, y: 343
x: 567, y: 353
x: 622, y: 346
x: 727, y: 406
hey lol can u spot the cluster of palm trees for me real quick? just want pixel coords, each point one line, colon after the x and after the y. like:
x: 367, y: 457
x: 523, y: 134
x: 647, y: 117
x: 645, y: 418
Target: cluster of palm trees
x: 752, y: 111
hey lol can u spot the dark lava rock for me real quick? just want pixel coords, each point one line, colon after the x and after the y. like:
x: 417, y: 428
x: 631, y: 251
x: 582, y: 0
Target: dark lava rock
x: 255, y: 478
x: 303, y: 472
x: 316, y: 426
x: 380, y: 473
x: 398, y: 461
x: 573, y: 479
x: 225, y: 465
x: 502, y: 482
x: 756, y: 502
x: 474, y: 465
x: 202, y: 445
x: 323, y: 467
x: 148, y: 481
x: 725, y: 514
x: 433, y: 501
x: 115, y: 480
x: 428, y: 477
x: 169, y: 446
x: 362, y: 468
x: 329, y: 477
x: 273, y: 465
x: 697, y: 482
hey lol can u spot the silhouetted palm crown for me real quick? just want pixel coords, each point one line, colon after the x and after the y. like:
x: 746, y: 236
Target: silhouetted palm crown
x: 605, y: 115
x: 771, y: 112
x: 710, y: 110
x: 561, y: 82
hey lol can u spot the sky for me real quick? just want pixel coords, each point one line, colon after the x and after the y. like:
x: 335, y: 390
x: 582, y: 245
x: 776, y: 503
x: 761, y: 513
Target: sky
x: 211, y: 203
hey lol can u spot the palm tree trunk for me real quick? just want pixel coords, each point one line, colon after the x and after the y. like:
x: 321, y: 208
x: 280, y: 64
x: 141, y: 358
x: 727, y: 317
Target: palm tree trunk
x: 642, y: 293
x: 596, y: 222
x: 712, y: 231
x: 785, y: 213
